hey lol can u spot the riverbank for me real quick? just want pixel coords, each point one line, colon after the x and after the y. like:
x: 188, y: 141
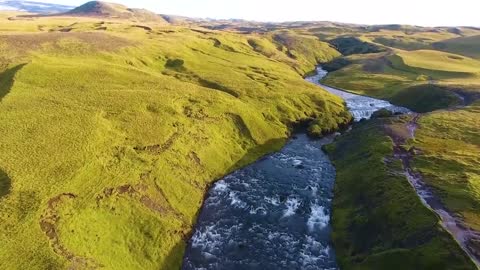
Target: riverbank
x: 378, y: 220
x: 454, y: 224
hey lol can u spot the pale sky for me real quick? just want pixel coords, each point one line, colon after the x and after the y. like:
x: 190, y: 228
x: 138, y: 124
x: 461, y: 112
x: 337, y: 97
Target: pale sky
x: 417, y: 12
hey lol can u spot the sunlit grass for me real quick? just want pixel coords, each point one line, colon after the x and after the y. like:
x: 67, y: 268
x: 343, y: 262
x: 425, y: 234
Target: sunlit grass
x: 111, y: 134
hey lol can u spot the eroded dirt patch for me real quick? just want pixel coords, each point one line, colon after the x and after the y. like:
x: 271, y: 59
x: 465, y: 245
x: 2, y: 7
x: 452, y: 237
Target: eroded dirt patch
x: 48, y: 224
x: 135, y: 192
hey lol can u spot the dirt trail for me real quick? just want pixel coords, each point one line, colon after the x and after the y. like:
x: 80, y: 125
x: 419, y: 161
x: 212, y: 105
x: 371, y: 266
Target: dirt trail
x: 467, y: 238
x: 48, y: 224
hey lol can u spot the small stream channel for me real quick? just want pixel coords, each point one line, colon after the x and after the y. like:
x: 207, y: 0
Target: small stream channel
x: 275, y: 213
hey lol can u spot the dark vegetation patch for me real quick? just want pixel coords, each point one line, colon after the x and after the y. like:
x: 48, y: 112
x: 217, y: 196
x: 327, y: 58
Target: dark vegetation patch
x: 353, y: 45
x: 336, y: 64
x: 439, y: 45
x: 242, y: 127
x: 218, y: 44
x: 176, y: 68
x: 382, y: 113
x: 404, y: 43
x: 426, y: 98
x: 325, y: 125
x: 311, y: 49
x: 157, y: 149
x: 7, y: 79
x: 376, y: 65
x: 455, y: 30
x: 144, y: 27
x: 175, y: 64
x: 217, y: 86
x: 5, y: 184
x: 378, y: 220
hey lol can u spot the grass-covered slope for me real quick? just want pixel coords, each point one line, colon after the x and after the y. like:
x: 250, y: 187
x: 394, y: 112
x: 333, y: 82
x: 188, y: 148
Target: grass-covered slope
x: 449, y: 158
x: 378, y: 220
x: 439, y: 61
x: 421, y: 68
x: 467, y: 46
x: 420, y: 80
x: 111, y: 135
x: 353, y: 45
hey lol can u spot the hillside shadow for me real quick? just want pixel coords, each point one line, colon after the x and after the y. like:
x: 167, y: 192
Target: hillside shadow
x: 7, y: 78
x: 5, y: 184
x: 174, y: 260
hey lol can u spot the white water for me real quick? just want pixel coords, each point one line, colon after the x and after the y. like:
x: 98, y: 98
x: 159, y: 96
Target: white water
x: 275, y: 213
x: 361, y: 107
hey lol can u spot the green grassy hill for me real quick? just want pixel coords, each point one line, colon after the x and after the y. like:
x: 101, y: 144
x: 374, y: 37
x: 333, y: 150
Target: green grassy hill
x: 422, y: 80
x: 448, y: 143
x: 433, y: 71
x: 112, y: 133
x: 467, y: 46
x: 378, y: 220
x: 115, y: 122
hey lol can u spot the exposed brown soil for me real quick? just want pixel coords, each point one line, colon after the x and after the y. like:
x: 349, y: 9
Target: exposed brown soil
x: 157, y: 149
x: 136, y: 192
x: 48, y: 224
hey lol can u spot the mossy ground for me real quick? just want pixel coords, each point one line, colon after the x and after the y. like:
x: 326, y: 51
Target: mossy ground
x: 112, y: 133
x: 449, y: 159
x: 378, y: 220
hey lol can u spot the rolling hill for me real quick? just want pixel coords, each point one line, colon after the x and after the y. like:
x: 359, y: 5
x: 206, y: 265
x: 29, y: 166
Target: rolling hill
x: 113, y: 131
x: 112, y: 10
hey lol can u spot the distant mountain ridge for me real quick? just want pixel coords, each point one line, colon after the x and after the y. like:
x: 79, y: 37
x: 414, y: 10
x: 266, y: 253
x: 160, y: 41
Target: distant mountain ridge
x: 34, y: 7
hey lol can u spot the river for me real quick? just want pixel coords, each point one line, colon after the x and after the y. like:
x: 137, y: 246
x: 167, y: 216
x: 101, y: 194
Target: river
x: 275, y: 213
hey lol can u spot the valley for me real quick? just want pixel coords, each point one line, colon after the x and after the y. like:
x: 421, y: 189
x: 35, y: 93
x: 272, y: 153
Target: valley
x: 124, y: 134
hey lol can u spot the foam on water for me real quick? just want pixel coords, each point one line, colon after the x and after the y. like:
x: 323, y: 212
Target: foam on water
x: 275, y: 213
x: 235, y: 200
x: 292, y: 205
x: 361, y: 107
x: 319, y: 218
x: 283, y: 209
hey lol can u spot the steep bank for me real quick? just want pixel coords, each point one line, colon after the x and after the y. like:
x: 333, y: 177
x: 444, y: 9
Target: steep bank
x: 450, y: 221
x: 447, y: 159
x: 378, y: 220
